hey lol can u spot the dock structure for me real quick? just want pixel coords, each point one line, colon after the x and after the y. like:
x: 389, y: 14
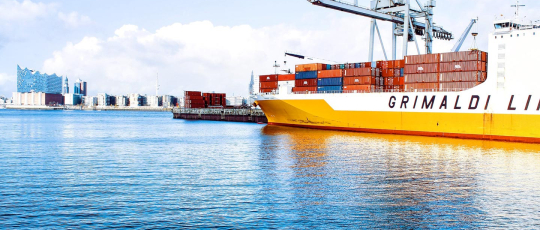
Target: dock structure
x: 211, y: 114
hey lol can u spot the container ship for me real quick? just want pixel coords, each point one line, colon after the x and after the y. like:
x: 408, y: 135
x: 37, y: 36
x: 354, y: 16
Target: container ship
x: 469, y: 94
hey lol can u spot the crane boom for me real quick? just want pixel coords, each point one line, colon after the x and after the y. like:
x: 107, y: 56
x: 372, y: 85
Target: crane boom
x: 335, y: 5
x: 459, y: 43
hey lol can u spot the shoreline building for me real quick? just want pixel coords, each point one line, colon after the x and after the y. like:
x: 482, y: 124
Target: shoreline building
x: 65, y: 89
x: 80, y: 87
x: 37, y: 89
x: 34, y: 81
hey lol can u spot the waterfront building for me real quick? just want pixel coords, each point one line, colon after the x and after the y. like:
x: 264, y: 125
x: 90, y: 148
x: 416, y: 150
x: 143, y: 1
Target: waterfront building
x: 135, y: 100
x: 122, y: 101
x: 37, y: 99
x: 169, y: 101
x: 80, y: 87
x: 112, y: 100
x: 90, y: 101
x: 103, y: 99
x: 235, y: 101
x: 72, y: 99
x: 34, y: 81
x: 65, y: 89
x: 155, y: 101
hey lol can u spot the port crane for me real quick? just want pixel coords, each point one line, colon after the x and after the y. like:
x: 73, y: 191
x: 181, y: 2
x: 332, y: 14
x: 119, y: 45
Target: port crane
x: 459, y: 43
x: 404, y: 19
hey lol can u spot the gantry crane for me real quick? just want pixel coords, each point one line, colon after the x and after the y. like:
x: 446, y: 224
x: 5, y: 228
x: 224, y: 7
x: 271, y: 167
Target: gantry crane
x: 402, y: 17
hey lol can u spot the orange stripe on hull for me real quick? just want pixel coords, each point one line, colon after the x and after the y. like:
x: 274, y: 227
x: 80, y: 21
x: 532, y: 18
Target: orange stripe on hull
x: 419, y: 133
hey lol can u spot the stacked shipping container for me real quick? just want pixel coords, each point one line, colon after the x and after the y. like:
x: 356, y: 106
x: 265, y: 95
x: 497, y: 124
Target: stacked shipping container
x: 361, y: 78
x: 306, y: 77
x: 198, y: 100
x: 391, y: 75
x: 193, y: 100
x: 428, y: 72
x: 269, y: 83
x: 446, y: 71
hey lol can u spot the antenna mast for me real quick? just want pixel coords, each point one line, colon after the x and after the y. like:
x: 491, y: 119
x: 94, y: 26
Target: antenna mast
x: 157, y: 84
x: 517, y: 5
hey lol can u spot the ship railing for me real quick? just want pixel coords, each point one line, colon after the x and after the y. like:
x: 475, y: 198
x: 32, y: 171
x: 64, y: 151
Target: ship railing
x: 220, y: 111
x: 382, y: 91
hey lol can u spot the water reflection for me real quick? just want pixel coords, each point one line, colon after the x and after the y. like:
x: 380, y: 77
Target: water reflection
x: 411, y: 181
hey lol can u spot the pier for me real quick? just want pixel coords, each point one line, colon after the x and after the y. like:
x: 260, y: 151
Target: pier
x: 236, y: 115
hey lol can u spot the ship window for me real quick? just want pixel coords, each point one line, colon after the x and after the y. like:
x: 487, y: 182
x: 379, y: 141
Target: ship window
x: 502, y: 36
x: 511, y: 35
x: 518, y: 35
x: 495, y: 37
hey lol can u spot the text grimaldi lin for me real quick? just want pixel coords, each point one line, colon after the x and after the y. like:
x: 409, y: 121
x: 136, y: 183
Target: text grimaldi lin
x: 428, y: 102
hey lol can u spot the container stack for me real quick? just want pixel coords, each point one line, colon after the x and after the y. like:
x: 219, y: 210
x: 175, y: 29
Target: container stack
x: 215, y: 99
x: 193, y: 100
x: 392, y: 75
x: 462, y: 70
x: 330, y: 80
x: 306, y: 77
x: 454, y: 71
x: 286, y: 80
x: 422, y: 73
x: 268, y: 83
x: 361, y: 78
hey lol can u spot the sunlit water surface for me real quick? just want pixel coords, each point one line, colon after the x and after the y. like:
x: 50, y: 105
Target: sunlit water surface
x: 129, y: 169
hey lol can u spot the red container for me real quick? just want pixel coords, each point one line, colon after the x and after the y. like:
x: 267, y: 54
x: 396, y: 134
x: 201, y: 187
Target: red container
x: 330, y: 73
x: 464, y: 56
x: 385, y: 64
x: 286, y: 77
x: 358, y: 88
x: 192, y: 93
x: 398, y: 64
x: 304, y: 89
x: 463, y: 76
x: 267, y: 78
x: 421, y: 78
x: 421, y: 87
x: 309, y: 67
x: 366, y: 80
x: 422, y: 68
x: 422, y: 59
x: 306, y: 83
x: 266, y: 90
x: 457, y: 86
x: 269, y: 85
x: 359, y: 72
x: 193, y: 98
x: 463, y: 66
x: 387, y: 72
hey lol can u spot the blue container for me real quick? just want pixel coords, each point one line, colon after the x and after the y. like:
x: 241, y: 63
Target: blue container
x: 306, y: 75
x: 336, y: 89
x: 328, y: 67
x: 335, y: 81
x: 342, y: 66
x: 401, y: 72
x: 357, y: 65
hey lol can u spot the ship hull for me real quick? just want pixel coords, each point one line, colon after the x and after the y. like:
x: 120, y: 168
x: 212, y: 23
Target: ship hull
x: 484, y: 116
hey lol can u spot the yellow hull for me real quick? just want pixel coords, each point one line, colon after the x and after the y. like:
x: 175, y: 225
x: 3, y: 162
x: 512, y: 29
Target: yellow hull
x: 319, y: 114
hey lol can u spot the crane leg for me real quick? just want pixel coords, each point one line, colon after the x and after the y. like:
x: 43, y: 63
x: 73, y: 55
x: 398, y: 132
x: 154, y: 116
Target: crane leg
x: 371, y: 40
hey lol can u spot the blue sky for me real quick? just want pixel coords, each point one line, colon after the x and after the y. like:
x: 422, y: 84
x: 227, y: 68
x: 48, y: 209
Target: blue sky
x: 212, y: 45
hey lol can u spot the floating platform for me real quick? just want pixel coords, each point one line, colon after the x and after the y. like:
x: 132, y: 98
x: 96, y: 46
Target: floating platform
x: 236, y: 115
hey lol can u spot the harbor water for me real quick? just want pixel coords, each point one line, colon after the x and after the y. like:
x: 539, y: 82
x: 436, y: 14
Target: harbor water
x: 89, y: 169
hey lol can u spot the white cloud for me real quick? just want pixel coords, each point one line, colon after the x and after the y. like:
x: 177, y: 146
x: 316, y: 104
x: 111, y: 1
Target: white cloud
x: 195, y: 56
x: 74, y: 19
x: 15, y: 11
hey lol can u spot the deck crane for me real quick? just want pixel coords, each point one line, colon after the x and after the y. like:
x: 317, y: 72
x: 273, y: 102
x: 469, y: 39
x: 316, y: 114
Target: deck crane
x: 403, y: 18
x: 459, y: 43
x: 308, y: 58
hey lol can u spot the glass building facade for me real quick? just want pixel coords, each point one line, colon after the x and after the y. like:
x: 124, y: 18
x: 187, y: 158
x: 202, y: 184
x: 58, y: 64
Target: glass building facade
x: 34, y: 81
